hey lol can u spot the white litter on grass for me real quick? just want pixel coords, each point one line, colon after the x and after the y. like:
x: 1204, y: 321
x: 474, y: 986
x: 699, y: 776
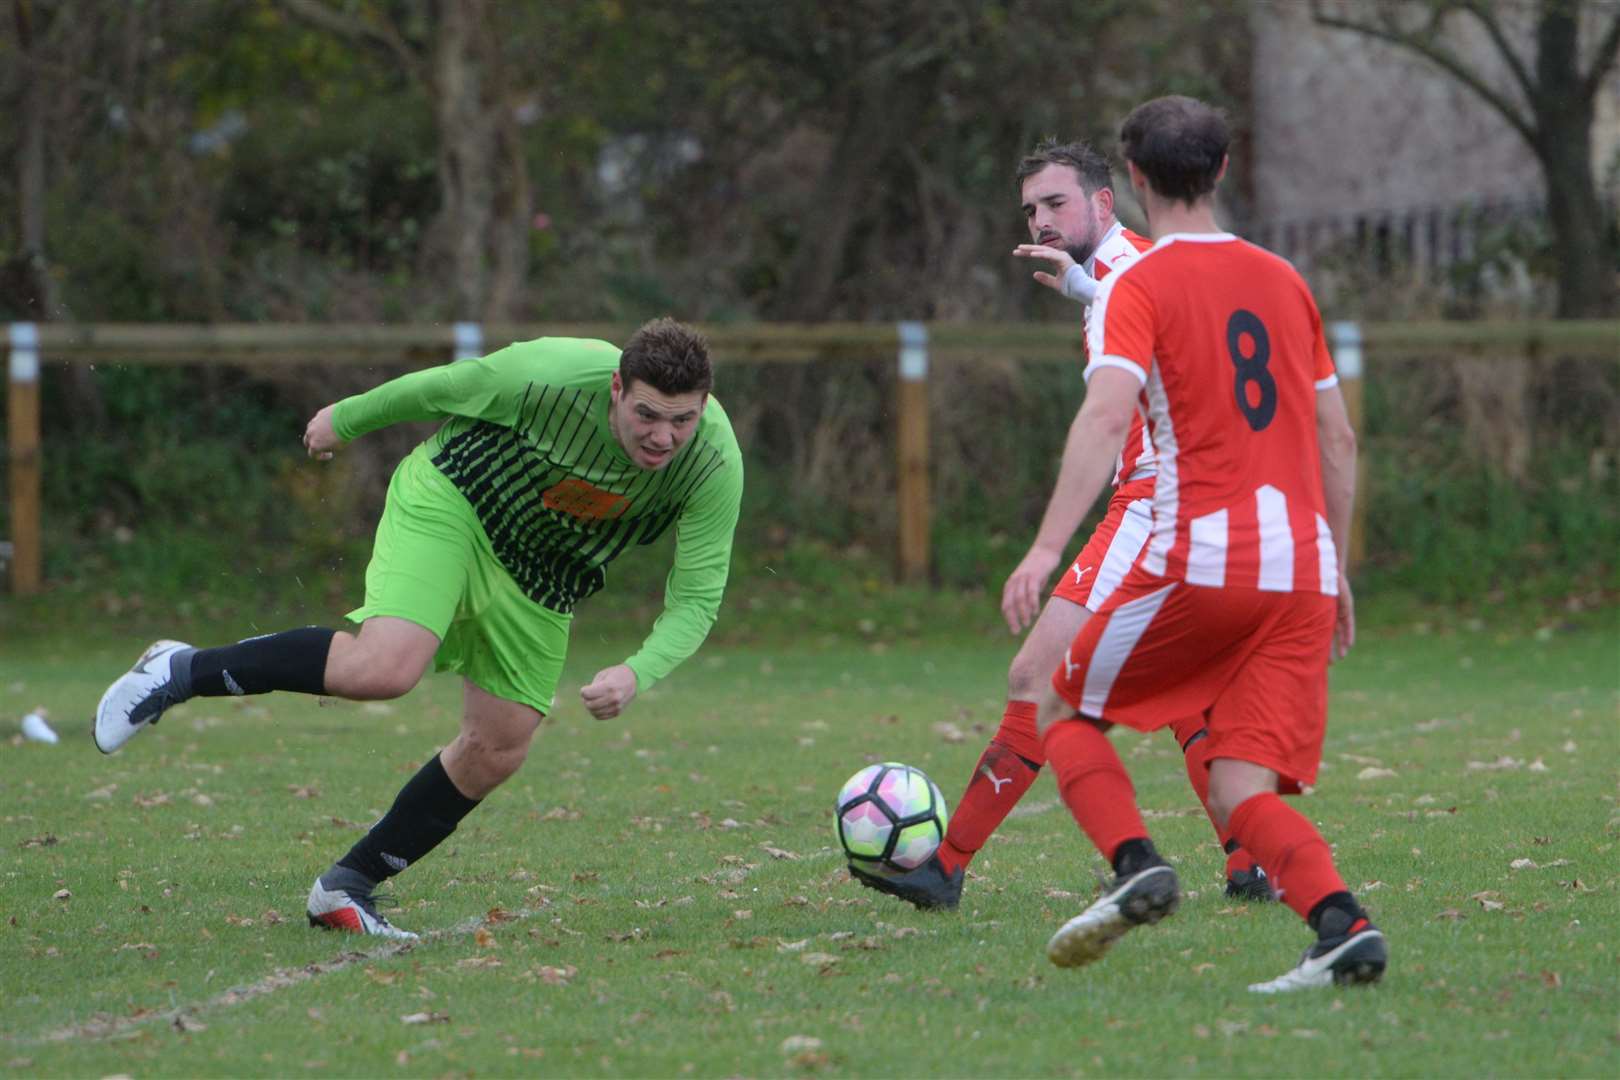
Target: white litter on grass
x: 37, y: 729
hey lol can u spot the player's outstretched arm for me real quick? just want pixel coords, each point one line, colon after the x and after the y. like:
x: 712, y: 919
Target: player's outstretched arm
x: 1094, y: 440
x: 1336, y: 442
x: 1025, y: 590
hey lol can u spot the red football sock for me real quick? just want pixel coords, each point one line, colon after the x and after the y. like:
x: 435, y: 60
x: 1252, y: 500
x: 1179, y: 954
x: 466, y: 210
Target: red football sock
x: 1294, y: 854
x: 1006, y: 769
x: 1094, y: 784
x: 1192, y: 735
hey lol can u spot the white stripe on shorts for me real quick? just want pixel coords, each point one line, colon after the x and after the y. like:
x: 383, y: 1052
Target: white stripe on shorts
x: 1135, y: 526
x: 1126, y: 625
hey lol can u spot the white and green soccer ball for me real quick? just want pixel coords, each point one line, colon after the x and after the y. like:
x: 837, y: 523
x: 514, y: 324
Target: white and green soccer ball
x: 890, y: 818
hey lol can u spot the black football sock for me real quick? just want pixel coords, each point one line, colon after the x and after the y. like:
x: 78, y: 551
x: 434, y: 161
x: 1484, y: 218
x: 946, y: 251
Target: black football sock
x: 1335, y: 914
x: 426, y: 810
x: 290, y: 660
x: 1134, y: 855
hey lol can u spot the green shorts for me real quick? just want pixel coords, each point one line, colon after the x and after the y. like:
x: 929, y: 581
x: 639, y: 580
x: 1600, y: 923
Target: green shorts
x: 433, y: 565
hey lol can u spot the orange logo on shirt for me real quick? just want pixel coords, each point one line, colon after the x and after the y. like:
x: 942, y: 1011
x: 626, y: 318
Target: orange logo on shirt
x: 576, y: 498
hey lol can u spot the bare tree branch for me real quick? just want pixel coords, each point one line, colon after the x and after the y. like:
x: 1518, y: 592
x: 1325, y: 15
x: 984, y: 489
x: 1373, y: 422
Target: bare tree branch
x: 1486, y: 16
x: 378, y: 33
x: 1604, y: 60
x: 1441, y: 57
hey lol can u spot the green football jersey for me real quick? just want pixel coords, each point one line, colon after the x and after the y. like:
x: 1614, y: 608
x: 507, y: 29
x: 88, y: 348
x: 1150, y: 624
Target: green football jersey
x: 526, y: 440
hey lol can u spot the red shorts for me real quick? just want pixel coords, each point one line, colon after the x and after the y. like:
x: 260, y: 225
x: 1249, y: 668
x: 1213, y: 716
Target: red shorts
x: 1112, y: 550
x: 1252, y: 663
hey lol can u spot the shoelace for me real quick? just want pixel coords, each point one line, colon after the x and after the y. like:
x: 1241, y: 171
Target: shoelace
x: 166, y: 699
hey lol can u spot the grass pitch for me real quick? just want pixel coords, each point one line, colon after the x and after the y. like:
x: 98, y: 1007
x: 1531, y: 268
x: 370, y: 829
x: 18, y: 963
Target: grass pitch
x: 660, y: 895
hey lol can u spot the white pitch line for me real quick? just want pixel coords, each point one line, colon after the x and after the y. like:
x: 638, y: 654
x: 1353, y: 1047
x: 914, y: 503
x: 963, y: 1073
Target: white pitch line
x: 279, y: 979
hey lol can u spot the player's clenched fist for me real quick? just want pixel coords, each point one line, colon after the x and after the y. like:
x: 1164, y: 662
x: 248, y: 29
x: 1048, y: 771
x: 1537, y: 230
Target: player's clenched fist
x: 320, y: 438
x: 609, y: 692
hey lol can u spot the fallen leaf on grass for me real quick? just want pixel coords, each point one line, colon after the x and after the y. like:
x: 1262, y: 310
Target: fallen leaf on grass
x: 62, y: 894
x: 425, y: 1018
x: 554, y: 976
x: 483, y: 938
x: 184, y: 1024
x: 798, y: 1044
x: 1538, y: 766
x: 560, y: 813
x: 160, y: 799
x: 949, y: 732
x: 48, y: 840
x: 499, y: 915
x: 1502, y: 763
x: 1199, y: 969
x: 779, y: 853
x: 479, y: 962
x: 665, y: 954
x: 382, y: 978
x: 304, y: 791
x: 1490, y: 905
x: 1372, y: 773
x: 1522, y: 864
x: 1451, y: 913
x: 818, y: 959
x: 792, y: 946
x: 1551, y: 980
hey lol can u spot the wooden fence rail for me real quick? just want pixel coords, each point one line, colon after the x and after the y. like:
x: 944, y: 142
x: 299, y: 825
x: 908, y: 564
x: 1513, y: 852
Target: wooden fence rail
x: 915, y: 346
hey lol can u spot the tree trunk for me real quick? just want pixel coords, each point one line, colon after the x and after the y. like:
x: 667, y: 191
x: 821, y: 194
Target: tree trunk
x: 877, y: 116
x: 1564, y: 119
x: 466, y: 151
x: 510, y: 221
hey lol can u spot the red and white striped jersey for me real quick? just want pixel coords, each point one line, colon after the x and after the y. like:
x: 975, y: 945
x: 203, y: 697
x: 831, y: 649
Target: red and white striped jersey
x: 1228, y: 343
x: 1116, y: 250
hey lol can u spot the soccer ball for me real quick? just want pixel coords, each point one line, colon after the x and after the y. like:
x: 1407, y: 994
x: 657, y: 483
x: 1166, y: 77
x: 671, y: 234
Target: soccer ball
x: 891, y: 818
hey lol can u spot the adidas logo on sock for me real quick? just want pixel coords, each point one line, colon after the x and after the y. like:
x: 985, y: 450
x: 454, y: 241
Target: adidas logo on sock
x: 395, y: 862
x: 231, y: 684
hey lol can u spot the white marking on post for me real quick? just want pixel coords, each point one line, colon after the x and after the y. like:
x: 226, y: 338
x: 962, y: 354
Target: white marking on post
x: 913, y: 351
x: 24, y: 338
x: 469, y: 340
x: 1345, y: 338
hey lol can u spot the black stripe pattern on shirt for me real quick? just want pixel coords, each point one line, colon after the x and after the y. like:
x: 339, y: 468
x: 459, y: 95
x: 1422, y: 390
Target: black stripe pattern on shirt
x: 558, y: 558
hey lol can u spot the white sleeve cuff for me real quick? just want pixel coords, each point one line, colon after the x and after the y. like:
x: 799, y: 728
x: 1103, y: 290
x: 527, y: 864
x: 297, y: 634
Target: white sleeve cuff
x: 1079, y: 285
x: 1117, y: 362
x: 1328, y: 383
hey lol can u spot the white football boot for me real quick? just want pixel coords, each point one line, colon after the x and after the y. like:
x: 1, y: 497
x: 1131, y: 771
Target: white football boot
x: 1352, y: 960
x: 138, y: 698
x: 1144, y: 897
x: 353, y: 910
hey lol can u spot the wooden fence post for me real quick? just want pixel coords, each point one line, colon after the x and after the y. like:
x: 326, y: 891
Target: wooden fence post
x: 22, y: 455
x: 1345, y: 339
x: 913, y: 494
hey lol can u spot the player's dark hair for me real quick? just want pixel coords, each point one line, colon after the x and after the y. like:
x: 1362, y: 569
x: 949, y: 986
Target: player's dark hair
x: 1088, y: 164
x: 1179, y: 143
x: 668, y: 356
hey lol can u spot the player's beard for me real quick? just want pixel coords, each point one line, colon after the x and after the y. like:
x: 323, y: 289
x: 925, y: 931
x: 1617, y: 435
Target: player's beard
x: 1082, y: 250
